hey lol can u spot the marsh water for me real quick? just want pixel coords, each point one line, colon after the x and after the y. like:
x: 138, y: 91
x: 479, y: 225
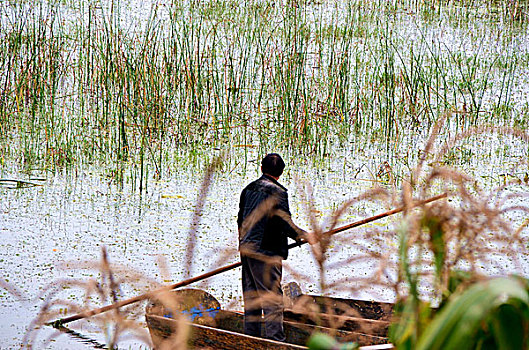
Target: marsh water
x: 61, y: 201
x: 50, y: 233
x: 50, y: 230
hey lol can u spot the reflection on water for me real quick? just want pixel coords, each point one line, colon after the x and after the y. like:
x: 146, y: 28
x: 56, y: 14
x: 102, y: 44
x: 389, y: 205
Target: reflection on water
x: 82, y: 339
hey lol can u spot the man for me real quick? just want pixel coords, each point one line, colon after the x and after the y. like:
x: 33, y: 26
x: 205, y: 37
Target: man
x: 264, y: 223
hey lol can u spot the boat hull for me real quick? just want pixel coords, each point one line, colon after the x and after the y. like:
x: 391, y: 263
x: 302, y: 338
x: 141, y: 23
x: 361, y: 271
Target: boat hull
x: 228, y: 329
x: 195, y: 317
x: 373, y: 310
x: 200, y: 336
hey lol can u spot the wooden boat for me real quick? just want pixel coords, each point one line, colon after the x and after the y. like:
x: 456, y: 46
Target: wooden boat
x: 364, y: 316
x: 374, y: 310
x: 213, y: 328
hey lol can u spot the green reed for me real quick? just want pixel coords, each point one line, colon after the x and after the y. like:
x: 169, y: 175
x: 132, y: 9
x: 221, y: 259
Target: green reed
x: 87, y: 84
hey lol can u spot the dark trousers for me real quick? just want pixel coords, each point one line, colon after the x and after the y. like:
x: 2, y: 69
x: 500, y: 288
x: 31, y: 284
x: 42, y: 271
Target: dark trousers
x: 263, y: 297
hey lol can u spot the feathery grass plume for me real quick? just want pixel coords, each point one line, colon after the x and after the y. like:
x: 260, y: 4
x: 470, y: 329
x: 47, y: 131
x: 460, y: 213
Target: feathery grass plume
x: 115, y: 325
x: 122, y: 322
x: 444, y: 249
x: 337, y: 314
x: 197, y: 213
x: 114, y: 290
x: 13, y: 290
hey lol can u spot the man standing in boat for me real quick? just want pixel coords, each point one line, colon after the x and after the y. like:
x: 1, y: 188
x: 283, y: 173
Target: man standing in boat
x: 264, y: 223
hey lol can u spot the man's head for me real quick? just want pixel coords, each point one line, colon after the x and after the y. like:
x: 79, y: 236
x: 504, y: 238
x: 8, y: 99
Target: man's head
x: 272, y: 164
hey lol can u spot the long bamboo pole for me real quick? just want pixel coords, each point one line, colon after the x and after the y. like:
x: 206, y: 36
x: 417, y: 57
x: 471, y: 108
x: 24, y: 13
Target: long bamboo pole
x: 186, y: 282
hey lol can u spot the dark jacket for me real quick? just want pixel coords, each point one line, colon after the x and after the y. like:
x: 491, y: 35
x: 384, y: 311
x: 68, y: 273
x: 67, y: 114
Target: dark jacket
x: 265, y: 230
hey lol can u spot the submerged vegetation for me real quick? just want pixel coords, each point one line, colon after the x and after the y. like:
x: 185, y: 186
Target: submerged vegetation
x: 98, y: 82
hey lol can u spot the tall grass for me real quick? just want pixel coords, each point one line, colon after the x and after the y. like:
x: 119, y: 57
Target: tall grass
x: 87, y: 83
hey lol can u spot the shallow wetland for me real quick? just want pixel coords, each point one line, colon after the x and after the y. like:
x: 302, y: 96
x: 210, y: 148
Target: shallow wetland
x: 111, y: 112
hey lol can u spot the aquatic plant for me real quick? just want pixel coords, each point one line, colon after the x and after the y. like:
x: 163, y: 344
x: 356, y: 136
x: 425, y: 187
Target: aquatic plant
x: 436, y: 256
x: 441, y: 253
x: 86, y: 83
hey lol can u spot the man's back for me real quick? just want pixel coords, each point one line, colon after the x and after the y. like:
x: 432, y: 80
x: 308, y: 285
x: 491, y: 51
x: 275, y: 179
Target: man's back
x: 260, y: 228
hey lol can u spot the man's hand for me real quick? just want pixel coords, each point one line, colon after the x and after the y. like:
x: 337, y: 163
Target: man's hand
x: 307, y: 237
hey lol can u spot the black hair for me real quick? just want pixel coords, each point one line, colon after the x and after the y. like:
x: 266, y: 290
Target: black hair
x: 273, y: 164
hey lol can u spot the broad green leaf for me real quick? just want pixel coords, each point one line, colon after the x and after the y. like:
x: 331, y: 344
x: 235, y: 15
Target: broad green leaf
x: 458, y: 323
x: 509, y: 326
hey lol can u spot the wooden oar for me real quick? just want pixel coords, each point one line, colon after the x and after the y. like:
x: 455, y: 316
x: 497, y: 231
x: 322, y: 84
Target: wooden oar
x: 373, y: 218
x: 153, y: 293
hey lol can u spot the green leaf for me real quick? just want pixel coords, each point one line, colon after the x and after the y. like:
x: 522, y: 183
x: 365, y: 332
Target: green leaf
x: 457, y: 325
x: 321, y: 341
x: 414, y: 316
x: 509, y: 327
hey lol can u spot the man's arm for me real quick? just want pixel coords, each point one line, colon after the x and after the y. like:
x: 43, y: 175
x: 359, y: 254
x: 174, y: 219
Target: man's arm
x: 289, y: 227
